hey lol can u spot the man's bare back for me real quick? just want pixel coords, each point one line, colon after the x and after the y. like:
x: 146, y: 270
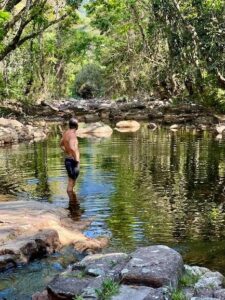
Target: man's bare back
x: 69, y: 144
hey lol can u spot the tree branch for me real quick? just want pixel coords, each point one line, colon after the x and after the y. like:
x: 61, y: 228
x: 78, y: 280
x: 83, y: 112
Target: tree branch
x: 221, y: 79
x: 34, y: 34
x: 10, y: 4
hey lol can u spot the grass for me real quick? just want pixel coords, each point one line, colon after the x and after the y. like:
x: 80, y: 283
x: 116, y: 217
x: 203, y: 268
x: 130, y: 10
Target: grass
x: 79, y: 275
x: 108, y: 289
x: 188, y: 280
x: 178, y: 295
x: 78, y: 298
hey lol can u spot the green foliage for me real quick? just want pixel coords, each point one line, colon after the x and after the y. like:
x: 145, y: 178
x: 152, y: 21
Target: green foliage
x: 90, y: 76
x: 188, y: 279
x: 108, y: 289
x: 167, y: 49
x: 78, y: 298
x: 178, y: 295
x: 4, y: 17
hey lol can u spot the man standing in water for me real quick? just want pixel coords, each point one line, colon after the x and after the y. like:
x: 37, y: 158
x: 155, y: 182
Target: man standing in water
x: 69, y: 144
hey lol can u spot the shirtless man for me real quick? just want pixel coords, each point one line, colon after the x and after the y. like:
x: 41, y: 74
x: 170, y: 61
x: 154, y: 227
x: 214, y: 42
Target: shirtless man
x: 69, y: 144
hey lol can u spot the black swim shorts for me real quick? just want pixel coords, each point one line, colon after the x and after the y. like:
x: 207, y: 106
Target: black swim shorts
x: 72, y: 167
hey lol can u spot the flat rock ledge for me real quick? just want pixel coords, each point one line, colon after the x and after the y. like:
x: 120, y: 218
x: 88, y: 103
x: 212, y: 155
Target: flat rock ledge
x: 149, y: 273
x: 30, y: 229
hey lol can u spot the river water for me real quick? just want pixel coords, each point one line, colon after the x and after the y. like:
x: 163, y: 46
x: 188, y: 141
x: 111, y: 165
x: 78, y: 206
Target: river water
x: 141, y: 188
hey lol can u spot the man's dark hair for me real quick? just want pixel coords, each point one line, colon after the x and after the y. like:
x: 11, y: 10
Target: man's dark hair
x: 73, y: 123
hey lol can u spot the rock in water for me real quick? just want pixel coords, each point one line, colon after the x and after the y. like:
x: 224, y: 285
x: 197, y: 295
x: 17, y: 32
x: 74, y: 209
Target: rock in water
x: 154, y: 266
x: 128, y: 124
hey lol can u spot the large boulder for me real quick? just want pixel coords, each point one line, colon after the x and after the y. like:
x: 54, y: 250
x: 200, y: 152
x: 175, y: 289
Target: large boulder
x: 87, y: 276
x: 12, y: 131
x: 10, y: 123
x: 154, y: 266
x: 128, y: 124
x: 102, y: 264
x: 96, y: 129
x: 66, y: 287
x: 8, y: 136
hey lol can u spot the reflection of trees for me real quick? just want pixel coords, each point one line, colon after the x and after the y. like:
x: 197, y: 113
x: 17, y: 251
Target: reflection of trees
x: 10, y: 179
x: 20, y: 162
x: 168, y: 187
x: 41, y: 169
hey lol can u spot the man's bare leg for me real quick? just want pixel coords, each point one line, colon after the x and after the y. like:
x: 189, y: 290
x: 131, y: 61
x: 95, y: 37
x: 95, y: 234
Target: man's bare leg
x: 70, y: 185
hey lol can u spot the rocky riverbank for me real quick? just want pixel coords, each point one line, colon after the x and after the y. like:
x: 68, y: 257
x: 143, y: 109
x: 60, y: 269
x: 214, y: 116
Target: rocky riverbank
x: 150, y: 273
x: 30, y: 123
x: 13, y: 131
x: 95, y: 110
x: 163, y: 112
x: 30, y: 229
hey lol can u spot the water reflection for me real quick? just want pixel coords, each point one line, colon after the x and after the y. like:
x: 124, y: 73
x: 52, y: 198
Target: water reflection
x: 74, y: 206
x: 142, y: 188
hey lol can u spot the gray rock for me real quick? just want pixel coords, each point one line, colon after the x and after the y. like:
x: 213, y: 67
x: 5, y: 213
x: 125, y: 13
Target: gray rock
x: 127, y: 292
x: 210, y: 280
x: 66, y: 288
x: 208, y: 284
x: 102, y: 264
x: 220, y: 294
x: 195, y: 270
x: 188, y: 292
x: 162, y: 266
x: 202, y: 298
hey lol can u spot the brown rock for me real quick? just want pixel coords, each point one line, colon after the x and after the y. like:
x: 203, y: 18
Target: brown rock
x: 27, y: 248
x: 128, y: 124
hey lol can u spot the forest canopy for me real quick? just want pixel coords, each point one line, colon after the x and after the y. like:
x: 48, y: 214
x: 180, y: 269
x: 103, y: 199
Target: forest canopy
x: 167, y: 49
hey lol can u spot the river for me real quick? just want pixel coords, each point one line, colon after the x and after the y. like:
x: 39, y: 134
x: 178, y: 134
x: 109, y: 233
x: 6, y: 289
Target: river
x: 143, y: 188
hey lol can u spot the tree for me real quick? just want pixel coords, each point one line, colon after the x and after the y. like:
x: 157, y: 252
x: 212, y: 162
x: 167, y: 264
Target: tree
x: 162, y: 46
x: 29, y: 21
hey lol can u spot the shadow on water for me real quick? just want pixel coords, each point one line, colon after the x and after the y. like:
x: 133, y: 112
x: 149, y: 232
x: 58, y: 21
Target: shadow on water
x: 141, y: 188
